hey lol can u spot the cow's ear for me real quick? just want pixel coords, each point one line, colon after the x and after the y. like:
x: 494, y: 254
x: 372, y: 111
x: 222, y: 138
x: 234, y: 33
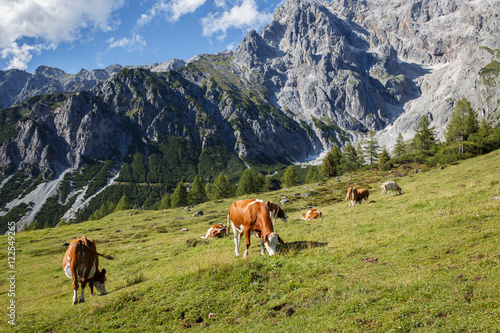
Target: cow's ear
x: 103, y: 271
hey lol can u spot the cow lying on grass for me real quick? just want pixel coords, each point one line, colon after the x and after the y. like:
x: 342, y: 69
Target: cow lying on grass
x: 311, y: 214
x: 81, y: 263
x: 356, y: 195
x: 390, y: 186
x: 216, y: 231
x: 247, y: 216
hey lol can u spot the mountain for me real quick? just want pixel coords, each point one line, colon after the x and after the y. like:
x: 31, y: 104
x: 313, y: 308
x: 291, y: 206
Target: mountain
x: 320, y: 74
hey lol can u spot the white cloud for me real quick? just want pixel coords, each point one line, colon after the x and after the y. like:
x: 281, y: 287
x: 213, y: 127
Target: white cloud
x: 48, y: 23
x: 244, y: 16
x: 136, y: 42
x: 173, y: 10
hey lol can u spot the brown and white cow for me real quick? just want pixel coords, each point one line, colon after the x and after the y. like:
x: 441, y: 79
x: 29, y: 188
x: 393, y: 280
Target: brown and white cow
x: 312, y: 214
x: 81, y: 263
x: 216, y: 231
x: 275, y: 212
x: 390, y: 186
x: 356, y: 195
x: 252, y: 216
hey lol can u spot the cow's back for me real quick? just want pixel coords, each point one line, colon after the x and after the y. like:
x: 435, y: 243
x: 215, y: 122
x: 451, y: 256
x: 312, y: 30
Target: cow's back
x: 80, y: 255
x: 240, y: 212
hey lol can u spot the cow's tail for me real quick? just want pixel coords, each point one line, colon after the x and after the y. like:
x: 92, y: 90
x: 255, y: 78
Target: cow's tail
x: 105, y: 256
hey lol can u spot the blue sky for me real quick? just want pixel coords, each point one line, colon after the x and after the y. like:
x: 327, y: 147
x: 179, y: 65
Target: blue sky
x: 90, y: 34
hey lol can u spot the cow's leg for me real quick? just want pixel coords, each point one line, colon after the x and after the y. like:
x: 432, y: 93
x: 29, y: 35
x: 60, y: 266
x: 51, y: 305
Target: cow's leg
x: 91, y: 286
x: 247, y: 242
x: 237, y: 236
x: 83, y: 284
x: 75, y: 292
x: 75, y: 285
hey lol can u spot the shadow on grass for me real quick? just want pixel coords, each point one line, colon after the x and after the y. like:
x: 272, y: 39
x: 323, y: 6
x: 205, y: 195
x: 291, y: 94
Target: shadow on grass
x: 300, y: 245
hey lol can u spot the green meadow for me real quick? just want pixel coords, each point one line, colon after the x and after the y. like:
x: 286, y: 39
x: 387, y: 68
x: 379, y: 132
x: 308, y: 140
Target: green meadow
x: 424, y: 261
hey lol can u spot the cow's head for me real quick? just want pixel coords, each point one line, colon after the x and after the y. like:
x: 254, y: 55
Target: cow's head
x: 99, y: 281
x: 271, y: 242
x: 281, y: 214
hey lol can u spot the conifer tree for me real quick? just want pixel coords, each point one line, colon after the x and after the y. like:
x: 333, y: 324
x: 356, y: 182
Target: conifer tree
x: 328, y: 166
x: 164, y: 202
x: 259, y: 180
x: 209, y: 190
x: 268, y: 183
x: 425, y: 138
x: 350, y: 159
x: 383, y: 159
x: 371, y: 148
x: 197, y: 192
x: 400, y: 146
x: 139, y: 168
x: 222, y: 188
x: 123, y: 204
x: 180, y: 196
x: 290, y: 177
x: 312, y: 176
x: 246, y: 183
x: 462, y: 124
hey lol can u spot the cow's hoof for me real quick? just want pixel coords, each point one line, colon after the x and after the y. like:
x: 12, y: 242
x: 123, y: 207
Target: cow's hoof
x: 75, y: 302
x: 82, y: 301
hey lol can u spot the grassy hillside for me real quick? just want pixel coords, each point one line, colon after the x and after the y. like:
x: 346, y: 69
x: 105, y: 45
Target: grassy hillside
x: 424, y: 261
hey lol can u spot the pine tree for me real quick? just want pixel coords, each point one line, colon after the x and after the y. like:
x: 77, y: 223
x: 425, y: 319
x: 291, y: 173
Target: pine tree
x: 371, y: 148
x: 400, y: 146
x: 312, y: 176
x: 260, y: 181
x: 383, y: 159
x: 197, y: 192
x: 360, y: 153
x: 123, y: 204
x: 180, y: 196
x: 210, y: 191
x: 139, y: 168
x: 350, y: 159
x: 164, y: 202
x: 462, y: 124
x: 328, y: 167
x: 290, y: 177
x: 222, y: 188
x: 425, y: 138
x: 246, y: 183
x: 268, y: 183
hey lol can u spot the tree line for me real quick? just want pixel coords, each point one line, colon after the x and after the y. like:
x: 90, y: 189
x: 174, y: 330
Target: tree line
x: 465, y: 137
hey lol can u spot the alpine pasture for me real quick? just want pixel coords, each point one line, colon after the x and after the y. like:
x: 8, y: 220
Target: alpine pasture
x: 423, y: 261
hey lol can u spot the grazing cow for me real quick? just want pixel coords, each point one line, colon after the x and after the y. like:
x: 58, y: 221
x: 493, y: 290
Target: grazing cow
x: 356, y: 195
x: 275, y: 212
x: 216, y: 231
x: 312, y: 214
x: 390, y: 186
x: 246, y: 216
x: 81, y: 263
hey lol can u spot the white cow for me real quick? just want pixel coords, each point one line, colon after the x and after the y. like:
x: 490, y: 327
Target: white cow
x: 390, y: 186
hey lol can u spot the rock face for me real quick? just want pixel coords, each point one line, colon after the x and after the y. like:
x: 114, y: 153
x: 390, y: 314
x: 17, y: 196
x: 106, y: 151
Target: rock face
x: 16, y: 86
x: 320, y: 74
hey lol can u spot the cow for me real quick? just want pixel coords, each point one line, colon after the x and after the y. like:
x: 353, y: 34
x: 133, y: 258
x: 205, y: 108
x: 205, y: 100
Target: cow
x: 247, y: 216
x: 356, y: 195
x: 275, y: 212
x: 312, y: 214
x: 390, y: 186
x: 81, y: 264
x: 216, y: 231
